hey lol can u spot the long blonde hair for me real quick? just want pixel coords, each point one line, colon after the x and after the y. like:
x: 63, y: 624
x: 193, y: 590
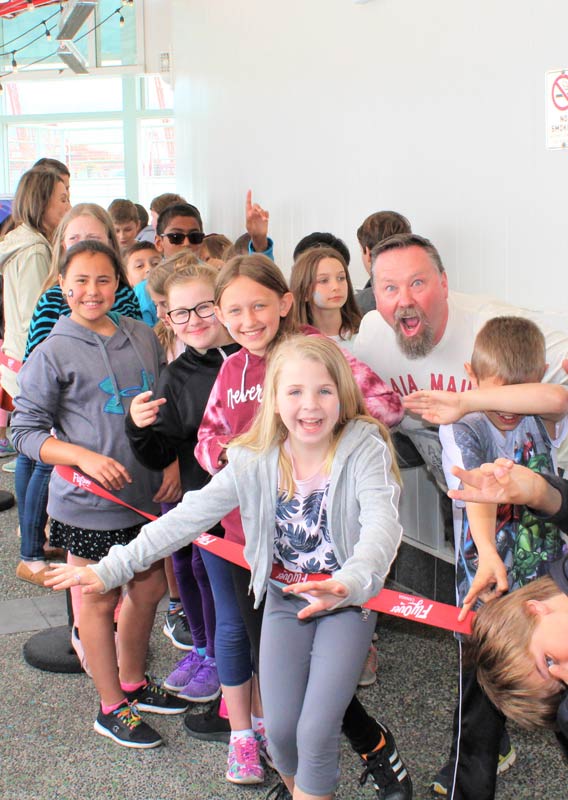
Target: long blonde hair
x: 268, y: 430
x: 58, y: 250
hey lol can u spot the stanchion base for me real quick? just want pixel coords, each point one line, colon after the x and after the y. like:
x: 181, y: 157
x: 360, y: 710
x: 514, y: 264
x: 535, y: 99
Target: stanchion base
x: 51, y: 651
x: 6, y: 500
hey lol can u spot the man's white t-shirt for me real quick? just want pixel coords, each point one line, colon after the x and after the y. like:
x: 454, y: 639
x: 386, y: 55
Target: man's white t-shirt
x: 443, y: 367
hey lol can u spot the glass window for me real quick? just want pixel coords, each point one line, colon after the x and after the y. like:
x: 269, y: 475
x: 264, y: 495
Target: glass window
x: 71, y: 95
x: 93, y: 151
x: 156, y: 157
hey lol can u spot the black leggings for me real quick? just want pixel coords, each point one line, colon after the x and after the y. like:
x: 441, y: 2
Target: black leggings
x: 362, y: 730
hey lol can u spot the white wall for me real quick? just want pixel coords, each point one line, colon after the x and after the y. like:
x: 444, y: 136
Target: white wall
x: 331, y: 110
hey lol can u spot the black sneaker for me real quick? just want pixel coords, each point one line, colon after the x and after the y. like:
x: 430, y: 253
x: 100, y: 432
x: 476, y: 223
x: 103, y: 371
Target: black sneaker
x: 389, y: 774
x: 125, y: 726
x: 442, y: 783
x: 279, y: 792
x: 151, y: 697
x: 208, y: 726
x: 176, y: 628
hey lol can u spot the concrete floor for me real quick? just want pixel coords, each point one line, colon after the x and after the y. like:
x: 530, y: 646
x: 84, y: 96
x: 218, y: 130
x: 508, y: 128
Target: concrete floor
x: 49, y: 751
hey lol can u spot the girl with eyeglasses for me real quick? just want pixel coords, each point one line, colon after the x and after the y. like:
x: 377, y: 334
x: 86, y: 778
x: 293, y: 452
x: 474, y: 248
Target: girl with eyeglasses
x: 162, y: 427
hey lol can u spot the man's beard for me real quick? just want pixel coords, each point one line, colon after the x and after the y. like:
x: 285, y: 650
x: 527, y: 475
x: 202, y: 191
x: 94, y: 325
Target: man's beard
x: 417, y: 346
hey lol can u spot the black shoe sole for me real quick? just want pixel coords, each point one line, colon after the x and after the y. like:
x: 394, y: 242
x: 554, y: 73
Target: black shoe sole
x: 140, y: 746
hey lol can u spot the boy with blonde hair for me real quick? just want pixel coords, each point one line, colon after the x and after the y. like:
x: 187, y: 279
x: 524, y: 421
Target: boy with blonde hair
x: 498, y: 547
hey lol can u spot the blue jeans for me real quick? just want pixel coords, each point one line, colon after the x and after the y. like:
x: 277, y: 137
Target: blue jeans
x: 232, y: 647
x: 32, y: 483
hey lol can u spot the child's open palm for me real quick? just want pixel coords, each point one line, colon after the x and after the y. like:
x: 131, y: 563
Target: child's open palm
x: 324, y: 595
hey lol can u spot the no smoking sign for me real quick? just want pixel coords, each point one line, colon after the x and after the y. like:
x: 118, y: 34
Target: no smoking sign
x: 557, y: 109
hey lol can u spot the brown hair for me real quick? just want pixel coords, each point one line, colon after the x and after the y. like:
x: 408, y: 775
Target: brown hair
x: 122, y: 211
x: 262, y: 270
x: 302, y: 282
x: 511, y: 349
x: 402, y: 241
x: 499, y: 647
x: 215, y: 244
x: 58, y: 251
x: 33, y: 194
x: 239, y: 248
x: 380, y: 226
x: 137, y: 247
x: 268, y: 430
x: 162, y: 201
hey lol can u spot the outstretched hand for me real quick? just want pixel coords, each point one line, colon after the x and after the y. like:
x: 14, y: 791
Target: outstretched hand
x: 437, y: 407
x: 501, y: 481
x: 64, y: 576
x: 324, y: 595
x: 256, y: 224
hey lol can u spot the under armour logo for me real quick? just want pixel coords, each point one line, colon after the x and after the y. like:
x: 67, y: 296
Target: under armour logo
x: 114, y: 403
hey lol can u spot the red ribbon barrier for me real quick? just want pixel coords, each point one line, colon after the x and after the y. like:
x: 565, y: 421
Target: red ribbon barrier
x: 11, y: 363
x: 388, y: 601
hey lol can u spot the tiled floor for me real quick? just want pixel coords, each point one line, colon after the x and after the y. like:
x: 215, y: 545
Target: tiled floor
x: 49, y: 751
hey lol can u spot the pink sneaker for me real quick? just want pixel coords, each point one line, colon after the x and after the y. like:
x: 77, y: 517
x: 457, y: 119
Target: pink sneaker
x: 244, y: 761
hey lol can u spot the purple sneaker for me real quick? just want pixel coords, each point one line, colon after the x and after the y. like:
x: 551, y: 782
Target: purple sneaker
x: 204, y: 685
x: 184, y: 671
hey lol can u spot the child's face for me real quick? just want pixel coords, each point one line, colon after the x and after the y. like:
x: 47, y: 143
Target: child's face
x: 84, y: 227
x: 330, y: 286
x: 549, y: 642
x: 89, y: 287
x: 139, y: 265
x: 179, y: 228
x: 251, y: 313
x: 502, y: 421
x: 308, y: 402
x: 126, y: 233
x: 161, y: 304
x: 202, y: 330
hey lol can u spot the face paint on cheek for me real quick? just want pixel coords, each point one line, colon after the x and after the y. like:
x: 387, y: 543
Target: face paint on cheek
x: 318, y: 299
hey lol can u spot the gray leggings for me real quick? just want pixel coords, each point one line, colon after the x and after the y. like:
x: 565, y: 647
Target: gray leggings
x: 308, y: 675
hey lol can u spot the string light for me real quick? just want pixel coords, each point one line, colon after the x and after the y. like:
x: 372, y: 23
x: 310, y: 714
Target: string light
x: 47, y: 33
x: 30, y: 5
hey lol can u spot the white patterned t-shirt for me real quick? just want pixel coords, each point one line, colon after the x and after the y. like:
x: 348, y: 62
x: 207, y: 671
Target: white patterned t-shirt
x: 301, y: 541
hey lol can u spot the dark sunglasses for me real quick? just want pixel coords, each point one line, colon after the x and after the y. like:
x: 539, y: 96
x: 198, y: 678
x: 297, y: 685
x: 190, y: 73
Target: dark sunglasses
x: 193, y: 237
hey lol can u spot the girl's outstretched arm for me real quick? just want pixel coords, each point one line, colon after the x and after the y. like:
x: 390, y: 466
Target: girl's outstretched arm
x: 64, y: 576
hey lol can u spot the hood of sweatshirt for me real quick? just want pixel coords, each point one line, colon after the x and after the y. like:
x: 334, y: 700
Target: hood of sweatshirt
x: 19, y: 239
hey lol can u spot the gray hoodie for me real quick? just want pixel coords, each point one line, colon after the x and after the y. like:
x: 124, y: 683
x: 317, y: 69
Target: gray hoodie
x: 362, y: 514
x: 80, y: 384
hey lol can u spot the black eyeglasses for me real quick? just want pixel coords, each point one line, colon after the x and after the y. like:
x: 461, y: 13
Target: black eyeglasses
x: 193, y: 237
x: 179, y: 316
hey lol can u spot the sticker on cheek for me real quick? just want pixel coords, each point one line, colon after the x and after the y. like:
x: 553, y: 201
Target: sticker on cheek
x: 318, y: 299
